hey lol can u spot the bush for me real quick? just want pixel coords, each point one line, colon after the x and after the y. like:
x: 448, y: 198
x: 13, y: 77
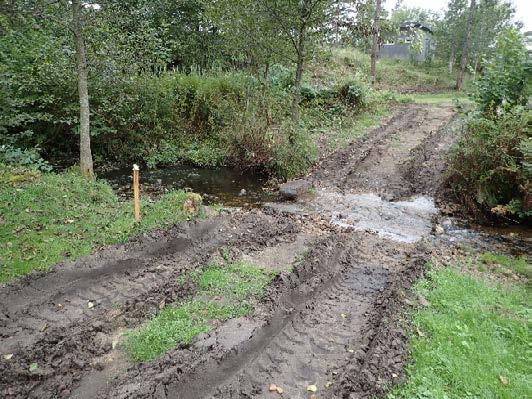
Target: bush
x: 503, y: 82
x: 23, y: 157
x: 490, y: 165
x: 355, y: 93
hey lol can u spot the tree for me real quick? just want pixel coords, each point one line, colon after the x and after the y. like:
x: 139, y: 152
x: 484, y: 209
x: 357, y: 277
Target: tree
x: 297, y: 21
x: 375, y: 47
x: 85, y: 154
x: 467, y: 45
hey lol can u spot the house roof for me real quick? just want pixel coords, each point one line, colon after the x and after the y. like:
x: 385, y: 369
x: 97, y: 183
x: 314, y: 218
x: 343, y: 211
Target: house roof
x: 417, y: 25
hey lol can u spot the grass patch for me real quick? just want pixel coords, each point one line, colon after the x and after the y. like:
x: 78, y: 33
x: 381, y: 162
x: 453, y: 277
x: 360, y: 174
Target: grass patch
x: 177, y: 325
x: 392, y: 74
x: 224, y: 291
x: 48, y: 217
x: 338, y: 130
x: 474, y: 340
x: 447, y: 98
x: 517, y: 264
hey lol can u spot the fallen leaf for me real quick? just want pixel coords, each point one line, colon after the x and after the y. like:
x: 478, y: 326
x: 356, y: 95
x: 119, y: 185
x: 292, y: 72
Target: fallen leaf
x: 34, y: 366
x: 44, y: 327
x: 312, y: 388
x: 419, y: 332
x: 343, y: 315
x: 90, y: 305
x: 273, y: 387
x: 279, y: 390
x: 394, y: 375
x: 503, y: 380
x: 8, y: 356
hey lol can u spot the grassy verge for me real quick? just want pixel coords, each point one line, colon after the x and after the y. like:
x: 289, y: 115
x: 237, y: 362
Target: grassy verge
x: 333, y: 131
x: 47, y: 218
x: 473, y: 341
x: 446, y: 98
x: 223, y: 292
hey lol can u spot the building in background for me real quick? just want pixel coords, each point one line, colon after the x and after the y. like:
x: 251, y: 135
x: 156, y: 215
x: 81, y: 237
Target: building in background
x: 413, y: 42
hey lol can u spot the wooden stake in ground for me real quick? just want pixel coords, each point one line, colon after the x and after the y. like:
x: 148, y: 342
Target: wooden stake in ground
x: 136, y: 192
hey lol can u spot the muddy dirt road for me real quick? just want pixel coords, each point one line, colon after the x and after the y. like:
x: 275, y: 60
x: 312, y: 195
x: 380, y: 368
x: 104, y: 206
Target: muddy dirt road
x: 347, y: 254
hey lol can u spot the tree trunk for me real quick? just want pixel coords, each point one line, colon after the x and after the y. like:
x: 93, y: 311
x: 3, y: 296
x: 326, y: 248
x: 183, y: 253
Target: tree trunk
x: 375, y: 48
x: 467, y: 44
x: 296, y: 94
x: 85, y: 155
x: 451, y: 57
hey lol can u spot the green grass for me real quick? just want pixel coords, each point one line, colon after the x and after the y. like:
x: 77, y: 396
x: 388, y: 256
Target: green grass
x: 223, y: 292
x: 518, y: 265
x: 47, y: 218
x: 472, y: 342
x: 339, y: 130
x: 447, y: 98
x: 391, y: 73
x: 177, y: 324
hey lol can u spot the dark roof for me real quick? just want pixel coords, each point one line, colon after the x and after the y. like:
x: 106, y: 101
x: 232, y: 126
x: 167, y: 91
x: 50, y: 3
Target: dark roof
x: 418, y: 25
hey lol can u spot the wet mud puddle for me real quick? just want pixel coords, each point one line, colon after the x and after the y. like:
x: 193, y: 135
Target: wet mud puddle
x: 228, y: 186
x: 405, y: 221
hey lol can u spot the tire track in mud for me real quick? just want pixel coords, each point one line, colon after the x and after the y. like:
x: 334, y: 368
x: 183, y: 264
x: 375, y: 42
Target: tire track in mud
x: 296, y: 337
x: 47, y: 320
x: 320, y: 337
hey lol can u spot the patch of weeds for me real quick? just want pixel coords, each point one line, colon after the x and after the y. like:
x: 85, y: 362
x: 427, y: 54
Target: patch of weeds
x: 517, y: 264
x: 177, y: 325
x: 239, y: 281
x: 227, y: 290
x: 52, y: 217
x: 446, y: 98
x: 472, y: 342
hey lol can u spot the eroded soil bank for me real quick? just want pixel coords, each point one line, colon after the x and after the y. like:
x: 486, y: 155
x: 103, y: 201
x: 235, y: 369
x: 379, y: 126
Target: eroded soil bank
x: 346, y: 253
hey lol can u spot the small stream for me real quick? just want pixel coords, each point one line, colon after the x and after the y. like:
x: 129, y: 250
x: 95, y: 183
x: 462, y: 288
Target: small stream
x: 228, y: 186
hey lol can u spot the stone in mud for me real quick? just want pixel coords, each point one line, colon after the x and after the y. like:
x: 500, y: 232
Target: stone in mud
x: 192, y: 204
x: 438, y: 230
x: 294, y: 189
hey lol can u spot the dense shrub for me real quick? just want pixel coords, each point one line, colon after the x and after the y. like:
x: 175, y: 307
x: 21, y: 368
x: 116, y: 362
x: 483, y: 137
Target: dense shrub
x: 490, y: 168
x: 28, y: 157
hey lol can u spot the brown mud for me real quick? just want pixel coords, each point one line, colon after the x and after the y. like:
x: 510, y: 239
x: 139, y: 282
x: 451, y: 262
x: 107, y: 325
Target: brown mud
x: 330, y: 318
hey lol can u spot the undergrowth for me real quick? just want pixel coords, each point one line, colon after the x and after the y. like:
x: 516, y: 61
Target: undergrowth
x: 47, y: 218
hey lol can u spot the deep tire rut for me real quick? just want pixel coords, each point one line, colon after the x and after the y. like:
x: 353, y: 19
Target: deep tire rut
x: 322, y: 323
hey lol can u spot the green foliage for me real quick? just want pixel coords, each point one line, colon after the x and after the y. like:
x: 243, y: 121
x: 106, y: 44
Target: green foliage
x: 491, y: 164
x: 177, y: 325
x: 488, y: 169
x: 224, y: 291
x: 473, y: 340
x: 23, y: 157
x: 517, y: 264
x: 48, y: 217
x: 504, y: 76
